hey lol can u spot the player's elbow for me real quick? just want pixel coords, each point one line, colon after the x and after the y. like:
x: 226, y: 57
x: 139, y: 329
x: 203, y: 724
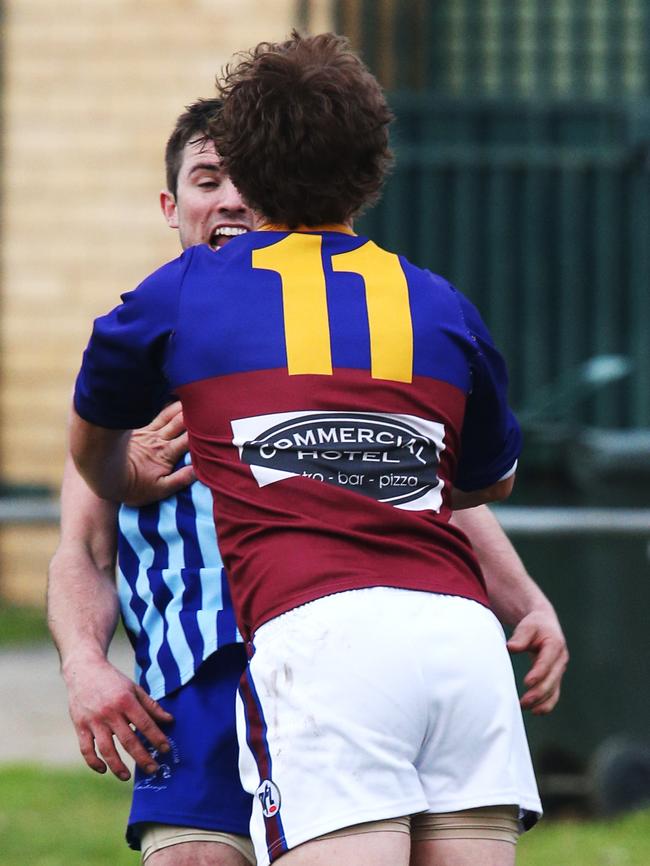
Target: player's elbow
x: 501, y: 490
x: 494, y: 493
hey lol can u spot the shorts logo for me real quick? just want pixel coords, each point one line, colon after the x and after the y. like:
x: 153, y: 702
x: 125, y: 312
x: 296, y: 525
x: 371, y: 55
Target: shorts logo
x: 389, y: 458
x: 166, y: 763
x: 269, y: 796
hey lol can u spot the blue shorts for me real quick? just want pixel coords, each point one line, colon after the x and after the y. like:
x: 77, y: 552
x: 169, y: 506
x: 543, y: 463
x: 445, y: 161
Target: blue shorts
x: 197, y: 784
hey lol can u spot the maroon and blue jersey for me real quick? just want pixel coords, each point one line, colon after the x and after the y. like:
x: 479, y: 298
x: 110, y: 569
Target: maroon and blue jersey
x: 334, y: 394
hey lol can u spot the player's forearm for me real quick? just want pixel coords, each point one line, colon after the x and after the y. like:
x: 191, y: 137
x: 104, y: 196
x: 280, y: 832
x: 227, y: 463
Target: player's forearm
x: 105, y: 706
x: 82, y: 600
x: 82, y: 607
x: 512, y: 598
x: 512, y: 591
x: 101, y: 457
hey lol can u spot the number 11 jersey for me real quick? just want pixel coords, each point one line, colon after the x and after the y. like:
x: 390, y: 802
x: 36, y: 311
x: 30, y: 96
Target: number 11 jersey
x: 334, y: 394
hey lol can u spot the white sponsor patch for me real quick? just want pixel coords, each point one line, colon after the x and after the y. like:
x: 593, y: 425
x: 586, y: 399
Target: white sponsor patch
x: 390, y: 458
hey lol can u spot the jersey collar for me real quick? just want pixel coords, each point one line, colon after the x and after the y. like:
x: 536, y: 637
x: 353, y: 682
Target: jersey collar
x: 334, y: 227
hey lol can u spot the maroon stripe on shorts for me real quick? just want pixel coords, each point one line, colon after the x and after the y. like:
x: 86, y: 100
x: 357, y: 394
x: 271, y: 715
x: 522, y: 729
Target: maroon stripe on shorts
x: 267, y: 794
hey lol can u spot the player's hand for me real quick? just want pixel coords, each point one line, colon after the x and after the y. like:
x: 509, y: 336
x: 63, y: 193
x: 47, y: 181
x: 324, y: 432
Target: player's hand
x: 154, y: 450
x: 106, y: 705
x: 540, y: 634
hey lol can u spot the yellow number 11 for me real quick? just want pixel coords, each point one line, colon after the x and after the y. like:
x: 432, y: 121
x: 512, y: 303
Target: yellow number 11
x: 297, y: 259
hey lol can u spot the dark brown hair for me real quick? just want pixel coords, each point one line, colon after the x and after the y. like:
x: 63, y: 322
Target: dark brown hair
x: 192, y: 125
x: 303, y: 132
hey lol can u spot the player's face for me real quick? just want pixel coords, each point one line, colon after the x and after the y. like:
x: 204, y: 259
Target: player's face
x: 207, y: 208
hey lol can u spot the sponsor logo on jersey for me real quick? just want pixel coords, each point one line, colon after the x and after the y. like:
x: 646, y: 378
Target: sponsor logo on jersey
x: 390, y: 458
x: 268, y: 794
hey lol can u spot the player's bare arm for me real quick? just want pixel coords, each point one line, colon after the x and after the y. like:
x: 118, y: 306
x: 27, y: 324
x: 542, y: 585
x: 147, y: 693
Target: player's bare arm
x: 133, y: 467
x: 519, y: 602
x: 83, y: 611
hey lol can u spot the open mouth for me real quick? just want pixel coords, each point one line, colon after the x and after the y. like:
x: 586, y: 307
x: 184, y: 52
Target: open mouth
x: 223, y: 234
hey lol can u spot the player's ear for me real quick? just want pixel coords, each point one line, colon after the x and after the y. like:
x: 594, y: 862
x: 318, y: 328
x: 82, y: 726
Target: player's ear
x: 169, y: 208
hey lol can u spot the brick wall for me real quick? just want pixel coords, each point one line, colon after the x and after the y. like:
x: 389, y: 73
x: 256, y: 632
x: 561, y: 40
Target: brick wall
x: 91, y: 91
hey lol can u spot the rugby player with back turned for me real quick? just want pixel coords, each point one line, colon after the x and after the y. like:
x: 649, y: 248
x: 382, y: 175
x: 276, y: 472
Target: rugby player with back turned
x: 340, y: 403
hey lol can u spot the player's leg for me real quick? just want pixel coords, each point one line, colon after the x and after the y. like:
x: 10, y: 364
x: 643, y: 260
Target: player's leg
x: 486, y: 835
x: 196, y: 795
x: 376, y: 843
x: 369, y: 849
x: 195, y: 854
x: 463, y: 852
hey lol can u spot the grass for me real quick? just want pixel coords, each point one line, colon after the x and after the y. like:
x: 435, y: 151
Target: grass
x: 52, y: 817
x: 21, y: 624
x: 26, y: 625
x: 623, y: 841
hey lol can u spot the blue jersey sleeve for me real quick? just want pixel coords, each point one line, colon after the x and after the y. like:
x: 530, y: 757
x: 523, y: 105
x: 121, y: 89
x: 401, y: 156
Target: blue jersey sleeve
x: 491, y: 437
x: 122, y: 382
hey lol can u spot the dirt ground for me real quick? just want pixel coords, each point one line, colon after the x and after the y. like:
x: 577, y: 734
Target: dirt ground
x: 34, y: 720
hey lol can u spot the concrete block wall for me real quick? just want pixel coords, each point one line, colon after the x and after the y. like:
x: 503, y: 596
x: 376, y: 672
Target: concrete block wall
x: 91, y: 92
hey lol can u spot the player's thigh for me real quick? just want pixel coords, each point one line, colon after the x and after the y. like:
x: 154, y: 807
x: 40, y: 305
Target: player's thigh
x: 197, y: 854
x: 486, y: 836
x: 366, y: 849
x: 462, y: 852
x: 168, y: 845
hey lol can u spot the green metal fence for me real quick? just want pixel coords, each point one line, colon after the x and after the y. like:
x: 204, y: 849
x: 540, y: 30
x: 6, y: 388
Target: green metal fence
x: 541, y: 214
x: 521, y: 48
x: 523, y: 151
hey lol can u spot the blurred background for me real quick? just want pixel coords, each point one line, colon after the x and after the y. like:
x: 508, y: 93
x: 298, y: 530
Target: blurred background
x: 522, y: 174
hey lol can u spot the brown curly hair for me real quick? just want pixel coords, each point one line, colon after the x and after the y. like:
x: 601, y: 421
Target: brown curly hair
x: 303, y: 132
x: 192, y: 125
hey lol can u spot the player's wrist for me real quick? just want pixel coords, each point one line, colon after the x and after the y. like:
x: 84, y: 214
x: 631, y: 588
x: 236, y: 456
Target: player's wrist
x: 84, y: 661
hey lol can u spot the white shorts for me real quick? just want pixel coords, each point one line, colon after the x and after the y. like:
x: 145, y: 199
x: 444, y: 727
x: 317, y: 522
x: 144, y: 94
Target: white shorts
x: 377, y: 703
